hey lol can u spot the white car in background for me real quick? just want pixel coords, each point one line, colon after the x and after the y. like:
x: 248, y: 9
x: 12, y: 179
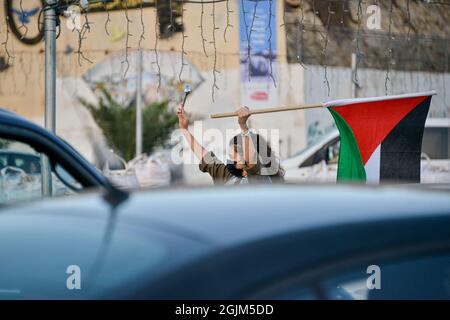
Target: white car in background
x: 20, y: 177
x: 318, y: 161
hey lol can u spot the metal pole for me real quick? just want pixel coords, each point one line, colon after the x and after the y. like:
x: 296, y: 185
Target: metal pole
x: 50, y: 87
x: 139, y: 105
x: 354, y: 84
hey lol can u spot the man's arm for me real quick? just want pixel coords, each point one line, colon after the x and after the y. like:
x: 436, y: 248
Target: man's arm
x: 196, y: 147
x: 183, y: 122
x: 250, y: 154
x: 208, y: 161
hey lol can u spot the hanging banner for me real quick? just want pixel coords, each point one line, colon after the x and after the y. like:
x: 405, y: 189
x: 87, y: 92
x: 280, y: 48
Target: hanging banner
x: 258, y: 68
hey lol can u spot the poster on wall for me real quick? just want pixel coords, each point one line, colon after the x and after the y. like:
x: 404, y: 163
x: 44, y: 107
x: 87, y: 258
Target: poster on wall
x: 258, y: 63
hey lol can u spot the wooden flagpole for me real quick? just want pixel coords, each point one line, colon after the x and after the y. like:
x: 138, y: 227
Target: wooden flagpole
x: 334, y: 103
x: 267, y: 110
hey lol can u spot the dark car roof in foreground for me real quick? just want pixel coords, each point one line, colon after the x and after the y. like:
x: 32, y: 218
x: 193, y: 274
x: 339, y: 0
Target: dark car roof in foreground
x: 187, y: 242
x: 10, y: 117
x: 224, y: 215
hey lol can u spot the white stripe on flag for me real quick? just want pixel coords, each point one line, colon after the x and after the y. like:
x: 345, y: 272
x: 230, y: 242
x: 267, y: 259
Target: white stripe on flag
x: 343, y: 102
x: 373, y: 167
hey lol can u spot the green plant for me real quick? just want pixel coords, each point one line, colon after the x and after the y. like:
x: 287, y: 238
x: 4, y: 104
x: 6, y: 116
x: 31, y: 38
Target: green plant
x: 118, y: 123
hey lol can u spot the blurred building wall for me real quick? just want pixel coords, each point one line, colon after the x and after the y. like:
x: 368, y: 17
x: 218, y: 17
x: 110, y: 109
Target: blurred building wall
x: 22, y: 87
x: 371, y: 84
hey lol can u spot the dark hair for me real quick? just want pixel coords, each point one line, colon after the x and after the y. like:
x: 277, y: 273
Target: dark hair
x: 264, y: 151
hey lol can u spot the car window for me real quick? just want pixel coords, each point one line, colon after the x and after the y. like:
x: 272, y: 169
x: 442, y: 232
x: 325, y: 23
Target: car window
x: 415, y: 278
x: 21, y: 176
x: 436, y: 143
x: 328, y: 153
x: 333, y: 152
x: 3, y: 160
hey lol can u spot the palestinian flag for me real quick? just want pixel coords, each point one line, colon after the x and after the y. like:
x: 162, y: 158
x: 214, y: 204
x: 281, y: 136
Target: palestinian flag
x: 381, y: 138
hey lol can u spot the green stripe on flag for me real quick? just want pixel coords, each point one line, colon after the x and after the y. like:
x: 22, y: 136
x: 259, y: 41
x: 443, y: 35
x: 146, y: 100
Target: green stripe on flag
x: 350, y: 166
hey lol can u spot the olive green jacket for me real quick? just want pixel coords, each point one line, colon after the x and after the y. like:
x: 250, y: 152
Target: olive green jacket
x: 220, y: 173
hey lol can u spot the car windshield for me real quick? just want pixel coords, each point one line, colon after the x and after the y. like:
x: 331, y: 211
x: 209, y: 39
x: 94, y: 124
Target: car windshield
x: 319, y: 140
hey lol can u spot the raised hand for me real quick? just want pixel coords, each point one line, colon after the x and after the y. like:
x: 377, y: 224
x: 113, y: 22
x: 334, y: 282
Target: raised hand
x: 183, y: 120
x: 243, y: 114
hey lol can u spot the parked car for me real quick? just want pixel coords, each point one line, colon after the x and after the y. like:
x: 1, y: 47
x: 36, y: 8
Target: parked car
x: 20, y: 177
x: 288, y: 242
x: 28, y: 163
x: 318, y: 162
x: 22, y: 144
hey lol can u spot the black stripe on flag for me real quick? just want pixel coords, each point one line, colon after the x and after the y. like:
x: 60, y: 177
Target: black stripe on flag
x: 400, y: 151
